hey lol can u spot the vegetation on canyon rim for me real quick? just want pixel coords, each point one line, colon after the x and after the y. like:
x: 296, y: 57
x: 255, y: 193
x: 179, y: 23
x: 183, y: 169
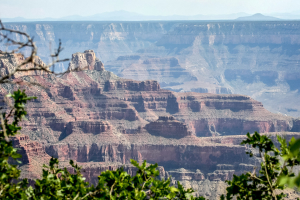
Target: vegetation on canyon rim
x: 274, y: 173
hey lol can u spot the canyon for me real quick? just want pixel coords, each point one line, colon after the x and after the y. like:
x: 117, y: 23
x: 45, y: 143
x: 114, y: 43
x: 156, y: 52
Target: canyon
x: 257, y: 59
x: 101, y: 121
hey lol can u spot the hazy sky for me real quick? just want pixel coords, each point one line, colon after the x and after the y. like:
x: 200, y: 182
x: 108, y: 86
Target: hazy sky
x: 61, y: 8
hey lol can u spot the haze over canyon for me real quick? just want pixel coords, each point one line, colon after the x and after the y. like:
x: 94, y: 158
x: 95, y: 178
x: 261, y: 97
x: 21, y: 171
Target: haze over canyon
x: 180, y: 94
x: 259, y: 59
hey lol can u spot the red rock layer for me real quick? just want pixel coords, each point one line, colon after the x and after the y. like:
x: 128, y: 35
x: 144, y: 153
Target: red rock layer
x: 33, y: 156
x: 167, y: 126
x: 28, y: 149
x: 216, y: 161
x: 168, y: 155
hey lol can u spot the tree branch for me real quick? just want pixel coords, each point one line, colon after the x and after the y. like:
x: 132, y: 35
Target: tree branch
x: 31, y: 59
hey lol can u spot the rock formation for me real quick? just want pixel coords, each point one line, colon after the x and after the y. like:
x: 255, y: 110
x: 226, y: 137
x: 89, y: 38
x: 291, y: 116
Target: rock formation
x: 33, y: 157
x: 8, y: 63
x: 102, y: 121
x: 86, y: 61
x: 167, y: 126
x: 183, y: 174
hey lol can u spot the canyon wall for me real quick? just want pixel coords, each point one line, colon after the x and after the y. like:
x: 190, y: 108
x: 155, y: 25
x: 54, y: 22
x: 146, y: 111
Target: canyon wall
x: 102, y: 121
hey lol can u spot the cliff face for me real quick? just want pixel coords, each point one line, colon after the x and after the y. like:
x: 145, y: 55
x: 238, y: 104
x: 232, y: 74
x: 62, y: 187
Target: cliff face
x: 33, y: 157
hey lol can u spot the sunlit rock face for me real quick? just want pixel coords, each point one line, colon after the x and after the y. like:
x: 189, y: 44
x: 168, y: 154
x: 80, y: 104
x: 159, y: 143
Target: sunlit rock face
x: 167, y: 126
x: 85, y: 61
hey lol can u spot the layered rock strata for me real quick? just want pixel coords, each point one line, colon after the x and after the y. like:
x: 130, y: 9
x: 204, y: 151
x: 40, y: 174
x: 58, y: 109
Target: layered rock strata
x: 167, y: 126
x: 183, y: 174
x: 207, y: 182
x: 33, y: 157
x: 93, y: 117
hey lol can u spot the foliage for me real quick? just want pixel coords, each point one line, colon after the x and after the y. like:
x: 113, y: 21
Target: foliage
x: 9, y: 172
x: 60, y: 184
x: 273, y: 173
x: 57, y: 183
x: 292, y: 158
x: 144, y: 185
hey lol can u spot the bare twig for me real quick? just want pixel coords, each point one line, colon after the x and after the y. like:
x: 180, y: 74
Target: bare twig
x: 76, y: 196
x: 267, y: 175
x: 3, y: 128
x: 89, y: 194
x: 31, y: 59
x: 111, y: 190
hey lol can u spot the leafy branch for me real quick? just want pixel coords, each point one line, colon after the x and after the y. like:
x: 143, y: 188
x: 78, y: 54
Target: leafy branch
x: 31, y: 60
x: 267, y: 183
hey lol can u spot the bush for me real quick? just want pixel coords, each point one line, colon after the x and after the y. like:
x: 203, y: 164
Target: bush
x: 275, y: 170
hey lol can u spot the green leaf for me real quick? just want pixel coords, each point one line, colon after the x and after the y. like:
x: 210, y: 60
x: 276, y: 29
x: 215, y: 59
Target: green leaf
x: 295, y: 146
x: 174, y: 189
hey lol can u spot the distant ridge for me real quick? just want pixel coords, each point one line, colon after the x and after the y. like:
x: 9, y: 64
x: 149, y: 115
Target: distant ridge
x: 120, y: 15
x: 123, y: 15
x: 258, y: 17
